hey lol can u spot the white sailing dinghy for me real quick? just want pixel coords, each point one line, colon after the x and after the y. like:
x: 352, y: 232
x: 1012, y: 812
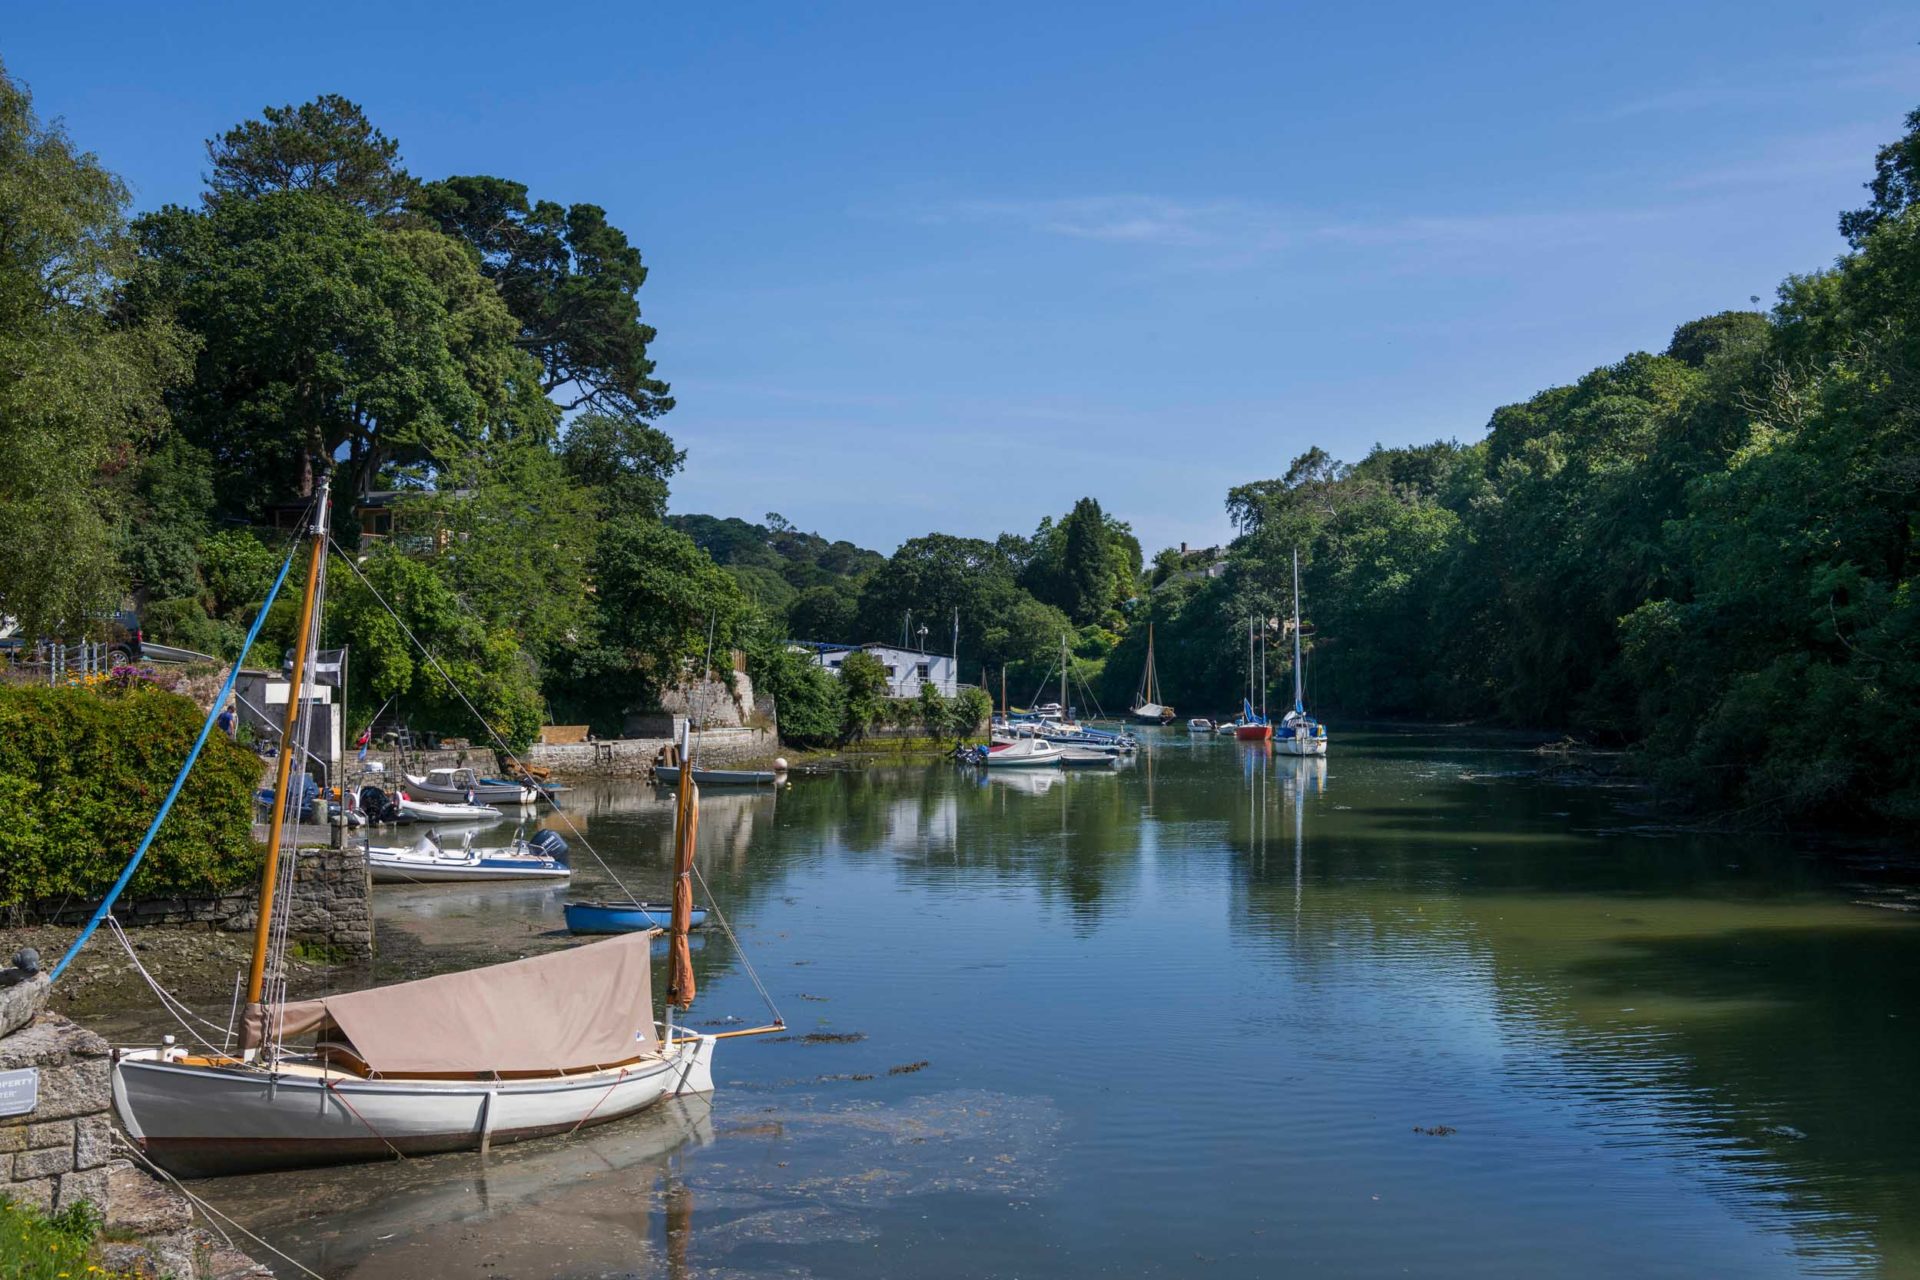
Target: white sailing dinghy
x: 543, y: 1045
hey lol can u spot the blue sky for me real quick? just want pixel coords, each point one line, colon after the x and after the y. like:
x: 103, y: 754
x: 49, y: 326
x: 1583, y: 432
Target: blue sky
x: 952, y: 267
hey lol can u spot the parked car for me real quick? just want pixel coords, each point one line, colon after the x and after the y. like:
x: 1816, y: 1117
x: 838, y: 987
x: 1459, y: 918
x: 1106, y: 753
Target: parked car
x: 120, y: 631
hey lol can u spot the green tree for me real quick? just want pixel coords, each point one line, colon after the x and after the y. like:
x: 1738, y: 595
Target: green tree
x: 829, y: 614
x: 80, y: 388
x: 1895, y: 186
x: 864, y: 687
x: 626, y: 462
x: 484, y: 662
x: 657, y: 599
x: 327, y: 147
x: 320, y: 331
x: 999, y: 622
x: 571, y: 279
x: 808, y: 699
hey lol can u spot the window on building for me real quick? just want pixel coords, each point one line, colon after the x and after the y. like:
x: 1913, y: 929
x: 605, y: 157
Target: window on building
x: 925, y: 670
x: 890, y: 672
x: 834, y: 663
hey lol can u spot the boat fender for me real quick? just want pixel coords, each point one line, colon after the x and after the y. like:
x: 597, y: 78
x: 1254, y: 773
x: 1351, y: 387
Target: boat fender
x: 550, y: 843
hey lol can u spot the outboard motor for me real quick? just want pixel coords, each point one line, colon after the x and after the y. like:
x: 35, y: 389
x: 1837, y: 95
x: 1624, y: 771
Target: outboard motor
x: 549, y: 844
x: 378, y: 805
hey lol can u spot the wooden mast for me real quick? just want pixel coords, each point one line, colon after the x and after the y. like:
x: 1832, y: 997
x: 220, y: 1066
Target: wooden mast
x: 270, y: 872
x: 686, y: 829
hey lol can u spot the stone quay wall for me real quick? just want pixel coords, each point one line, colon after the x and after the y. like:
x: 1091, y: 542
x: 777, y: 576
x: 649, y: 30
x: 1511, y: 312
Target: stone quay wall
x: 332, y: 906
x: 633, y: 757
x: 57, y: 1153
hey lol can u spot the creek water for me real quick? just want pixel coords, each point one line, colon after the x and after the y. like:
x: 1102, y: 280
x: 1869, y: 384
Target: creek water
x: 1406, y: 1010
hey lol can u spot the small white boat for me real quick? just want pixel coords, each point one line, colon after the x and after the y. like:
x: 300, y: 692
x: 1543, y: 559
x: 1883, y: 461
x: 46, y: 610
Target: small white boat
x: 1199, y: 724
x: 464, y: 786
x: 1021, y: 753
x: 428, y: 861
x: 438, y: 811
x: 1081, y: 758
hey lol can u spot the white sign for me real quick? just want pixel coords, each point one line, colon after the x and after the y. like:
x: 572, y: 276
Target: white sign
x: 19, y: 1091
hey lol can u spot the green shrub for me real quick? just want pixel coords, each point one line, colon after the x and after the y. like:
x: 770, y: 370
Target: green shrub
x: 83, y: 771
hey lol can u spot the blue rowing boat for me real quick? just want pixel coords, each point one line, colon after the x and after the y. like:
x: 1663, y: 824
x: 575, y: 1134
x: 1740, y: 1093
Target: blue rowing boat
x: 625, y: 917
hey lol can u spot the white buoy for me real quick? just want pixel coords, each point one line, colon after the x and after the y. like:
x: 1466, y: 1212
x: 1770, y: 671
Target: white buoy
x: 779, y: 764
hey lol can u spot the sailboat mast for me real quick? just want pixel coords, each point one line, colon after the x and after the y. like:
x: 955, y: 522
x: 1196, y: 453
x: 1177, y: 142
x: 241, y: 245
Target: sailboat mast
x: 1066, y: 713
x: 1263, y: 666
x: 1152, y: 691
x: 270, y: 871
x: 1299, y: 703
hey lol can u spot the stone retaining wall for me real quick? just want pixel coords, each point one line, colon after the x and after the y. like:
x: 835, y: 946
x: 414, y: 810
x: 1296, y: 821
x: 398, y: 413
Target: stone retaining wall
x: 332, y: 906
x: 57, y: 1153
x: 633, y: 757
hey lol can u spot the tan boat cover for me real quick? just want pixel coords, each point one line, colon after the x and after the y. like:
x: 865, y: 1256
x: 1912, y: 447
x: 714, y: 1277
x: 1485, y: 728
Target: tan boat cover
x: 583, y: 1007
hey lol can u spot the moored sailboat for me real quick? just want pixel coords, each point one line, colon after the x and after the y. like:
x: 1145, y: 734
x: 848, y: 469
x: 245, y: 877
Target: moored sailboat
x: 1299, y: 734
x: 1253, y: 726
x: 537, y: 1046
x: 1147, y: 707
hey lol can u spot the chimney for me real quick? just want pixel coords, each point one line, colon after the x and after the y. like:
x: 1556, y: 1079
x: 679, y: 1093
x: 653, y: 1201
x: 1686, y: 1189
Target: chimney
x: 1183, y: 548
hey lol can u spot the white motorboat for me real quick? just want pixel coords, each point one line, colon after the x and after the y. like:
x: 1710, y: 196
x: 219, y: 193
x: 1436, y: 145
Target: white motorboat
x: 427, y: 860
x: 439, y: 811
x: 464, y: 786
x: 1020, y: 753
x: 1199, y: 724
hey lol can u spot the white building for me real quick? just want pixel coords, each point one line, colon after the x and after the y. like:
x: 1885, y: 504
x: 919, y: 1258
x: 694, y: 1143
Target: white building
x: 907, y: 669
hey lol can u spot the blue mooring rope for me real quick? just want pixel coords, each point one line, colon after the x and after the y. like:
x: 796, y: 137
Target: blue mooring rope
x: 226, y: 691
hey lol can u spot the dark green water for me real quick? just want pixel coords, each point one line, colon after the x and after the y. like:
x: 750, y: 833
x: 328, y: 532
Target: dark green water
x: 1188, y: 1020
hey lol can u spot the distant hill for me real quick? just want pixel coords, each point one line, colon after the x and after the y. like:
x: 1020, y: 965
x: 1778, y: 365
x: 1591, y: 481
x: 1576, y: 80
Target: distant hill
x: 812, y: 582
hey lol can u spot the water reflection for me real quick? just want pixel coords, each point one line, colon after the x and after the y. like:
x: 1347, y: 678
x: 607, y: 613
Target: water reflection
x: 1187, y: 1016
x: 516, y: 1211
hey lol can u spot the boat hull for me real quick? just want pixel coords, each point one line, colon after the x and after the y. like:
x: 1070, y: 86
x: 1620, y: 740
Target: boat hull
x: 1300, y: 746
x: 718, y: 777
x: 1253, y: 732
x: 201, y: 1121
x: 434, y: 811
x: 625, y: 917
x: 486, y: 793
x: 404, y: 870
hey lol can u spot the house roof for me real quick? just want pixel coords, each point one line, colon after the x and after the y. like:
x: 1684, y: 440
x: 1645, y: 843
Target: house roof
x: 829, y: 646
